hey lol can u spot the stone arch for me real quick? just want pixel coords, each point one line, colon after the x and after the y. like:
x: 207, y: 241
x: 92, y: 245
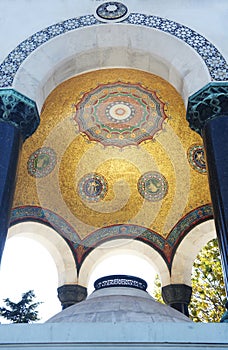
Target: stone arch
x: 54, y: 243
x: 60, y: 51
x: 123, y: 246
x: 188, y: 249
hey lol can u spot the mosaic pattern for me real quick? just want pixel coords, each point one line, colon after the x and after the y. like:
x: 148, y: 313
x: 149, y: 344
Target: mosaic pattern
x: 120, y: 114
x: 213, y: 59
x: 92, y: 187
x: 111, y: 10
x: 187, y: 223
x: 166, y: 247
x: 41, y: 162
x: 152, y: 186
x: 196, y: 158
x: 118, y: 231
x: 45, y: 216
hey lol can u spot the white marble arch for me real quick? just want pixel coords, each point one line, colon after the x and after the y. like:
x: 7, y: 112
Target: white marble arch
x: 120, y: 247
x: 188, y: 249
x: 54, y: 243
x: 108, y: 46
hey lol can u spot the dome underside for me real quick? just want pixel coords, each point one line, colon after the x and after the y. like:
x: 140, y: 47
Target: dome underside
x: 114, y: 157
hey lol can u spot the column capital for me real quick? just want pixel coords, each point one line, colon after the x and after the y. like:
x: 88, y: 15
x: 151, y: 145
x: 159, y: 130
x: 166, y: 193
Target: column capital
x: 70, y: 294
x: 19, y: 111
x: 208, y: 103
x: 176, y: 293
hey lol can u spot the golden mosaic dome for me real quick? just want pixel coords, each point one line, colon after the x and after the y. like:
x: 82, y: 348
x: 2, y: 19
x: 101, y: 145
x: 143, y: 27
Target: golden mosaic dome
x: 114, y: 157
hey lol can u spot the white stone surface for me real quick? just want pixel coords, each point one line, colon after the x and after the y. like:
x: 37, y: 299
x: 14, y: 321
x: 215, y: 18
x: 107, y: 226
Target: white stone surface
x: 188, y: 249
x: 111, y: 45
x: 208, y: 18
x: 120, y: 247
x: 87, y: 336
x: 119, y: 304
x: 54, y: 243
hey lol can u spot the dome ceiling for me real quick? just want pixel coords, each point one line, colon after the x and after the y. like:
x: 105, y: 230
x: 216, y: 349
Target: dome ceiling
x: 114, y: 155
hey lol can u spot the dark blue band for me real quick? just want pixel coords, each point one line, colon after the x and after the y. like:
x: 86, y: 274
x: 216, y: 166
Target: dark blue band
x: 120, y: 281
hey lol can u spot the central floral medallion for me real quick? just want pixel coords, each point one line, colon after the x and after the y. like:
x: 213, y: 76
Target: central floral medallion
x: 120, y: 114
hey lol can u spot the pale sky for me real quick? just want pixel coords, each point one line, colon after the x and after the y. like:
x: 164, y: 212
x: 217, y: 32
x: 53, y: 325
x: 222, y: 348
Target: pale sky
x: 27, y: 265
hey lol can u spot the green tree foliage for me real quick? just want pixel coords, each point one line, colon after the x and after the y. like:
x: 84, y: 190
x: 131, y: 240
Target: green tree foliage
x: 157, y: 290
x: 22, y: 312
x: 208, y: 290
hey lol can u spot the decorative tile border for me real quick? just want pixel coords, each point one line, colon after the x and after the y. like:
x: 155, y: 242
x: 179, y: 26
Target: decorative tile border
x: 213, y: 59
x: 188, y: 222
x: 165, y: 247
x: 44, y: 216
x: 81, y: 248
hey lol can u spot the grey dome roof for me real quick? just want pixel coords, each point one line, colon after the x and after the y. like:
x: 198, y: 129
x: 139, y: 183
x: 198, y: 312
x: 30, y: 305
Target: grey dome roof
x: 119, y: 304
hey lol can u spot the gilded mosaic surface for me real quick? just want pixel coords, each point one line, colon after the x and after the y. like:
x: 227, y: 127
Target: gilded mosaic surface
x: 93, y: 184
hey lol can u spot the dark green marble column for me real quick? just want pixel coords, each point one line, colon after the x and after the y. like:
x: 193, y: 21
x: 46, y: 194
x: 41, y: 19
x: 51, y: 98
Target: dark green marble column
x: 19, y: 118
x: 207, y: 114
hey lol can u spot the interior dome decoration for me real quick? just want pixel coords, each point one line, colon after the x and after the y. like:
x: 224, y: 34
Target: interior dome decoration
x: 92, y: 187
x: 120, y: 114
x: 111, y: 10
x: 153, y: 186
x: 196, y: 158
x: 41, y: 162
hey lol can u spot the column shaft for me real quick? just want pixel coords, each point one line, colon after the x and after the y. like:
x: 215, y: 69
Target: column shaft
x: 215, y: 136
x: 207, y: 114
x: 10, y: 145
x: 19, y: 118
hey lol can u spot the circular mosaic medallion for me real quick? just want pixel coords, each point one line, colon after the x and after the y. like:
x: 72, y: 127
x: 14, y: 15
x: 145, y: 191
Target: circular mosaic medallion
x: 111, y: 10
x: 41, y: 162
x: 152, y: 186
x: 92, y: 187
x: 120, y: 114
x: 196, y: 158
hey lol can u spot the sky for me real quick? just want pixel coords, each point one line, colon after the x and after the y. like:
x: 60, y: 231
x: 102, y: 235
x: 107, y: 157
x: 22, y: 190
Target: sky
x: 27, y: 265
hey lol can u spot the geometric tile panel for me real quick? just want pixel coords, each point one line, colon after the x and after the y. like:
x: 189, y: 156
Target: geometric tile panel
x: 213, y: 59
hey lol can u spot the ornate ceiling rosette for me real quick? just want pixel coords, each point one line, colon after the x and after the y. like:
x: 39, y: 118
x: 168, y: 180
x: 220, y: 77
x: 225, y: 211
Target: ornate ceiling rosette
x: 153, y: 186
x: 196, y: 157
x: 111, y: 10
x: 120, y: 114
x: 92, y: 187
x: 41, y: 162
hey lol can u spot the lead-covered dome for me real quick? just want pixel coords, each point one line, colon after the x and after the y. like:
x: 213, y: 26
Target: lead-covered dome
x: 116, y: 299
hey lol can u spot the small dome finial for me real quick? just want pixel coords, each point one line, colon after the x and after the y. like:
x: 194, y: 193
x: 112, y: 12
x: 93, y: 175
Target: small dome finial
x: 120, y: 281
